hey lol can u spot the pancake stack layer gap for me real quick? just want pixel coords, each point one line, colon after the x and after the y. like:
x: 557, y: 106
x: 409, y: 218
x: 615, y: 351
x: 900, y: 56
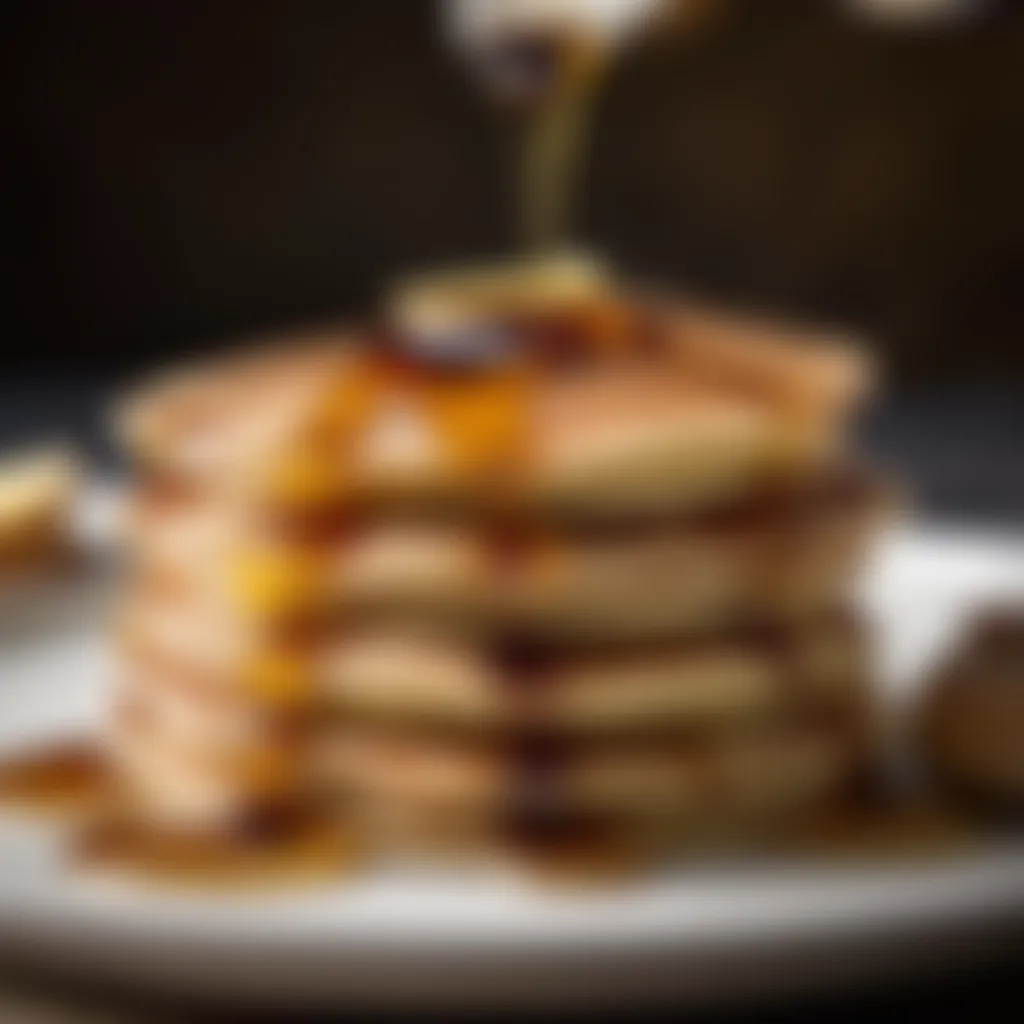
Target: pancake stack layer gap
x: 534, y: 568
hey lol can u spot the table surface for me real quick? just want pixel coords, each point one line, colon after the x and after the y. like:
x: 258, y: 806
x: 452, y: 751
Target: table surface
x: 963, y: 456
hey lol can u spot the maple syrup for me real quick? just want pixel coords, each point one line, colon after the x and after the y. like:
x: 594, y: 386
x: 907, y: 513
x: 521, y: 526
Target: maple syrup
x: 65, y: 779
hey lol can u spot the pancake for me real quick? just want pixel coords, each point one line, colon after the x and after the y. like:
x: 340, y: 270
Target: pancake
x: 605, y: 443
x: 779, y: 556
x: 774, y: 555
x: 744, y: 791
x: 402, y: 670
x: 751, y: 765
x: 647, y: 427
x: 419, y: 676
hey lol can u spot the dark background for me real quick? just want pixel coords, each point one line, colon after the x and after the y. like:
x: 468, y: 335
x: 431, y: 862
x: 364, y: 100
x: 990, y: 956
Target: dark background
x: 182, y: 170
x: 178, y: 173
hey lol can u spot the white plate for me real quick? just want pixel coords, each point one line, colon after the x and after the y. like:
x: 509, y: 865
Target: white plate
x: 422, y: 937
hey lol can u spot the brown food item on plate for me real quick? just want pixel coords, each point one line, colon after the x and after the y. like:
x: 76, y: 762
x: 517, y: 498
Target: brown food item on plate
x: 970, y: 723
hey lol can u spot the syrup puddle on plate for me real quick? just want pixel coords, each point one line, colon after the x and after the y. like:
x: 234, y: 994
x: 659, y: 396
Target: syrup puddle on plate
x: 70, y: 782
x: 69, y: 778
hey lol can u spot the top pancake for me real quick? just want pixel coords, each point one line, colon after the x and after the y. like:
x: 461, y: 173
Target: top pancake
x: 567, y: 400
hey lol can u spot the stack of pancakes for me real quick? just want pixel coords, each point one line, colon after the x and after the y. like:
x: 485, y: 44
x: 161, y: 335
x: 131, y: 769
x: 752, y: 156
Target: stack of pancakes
x: 532, y: 565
